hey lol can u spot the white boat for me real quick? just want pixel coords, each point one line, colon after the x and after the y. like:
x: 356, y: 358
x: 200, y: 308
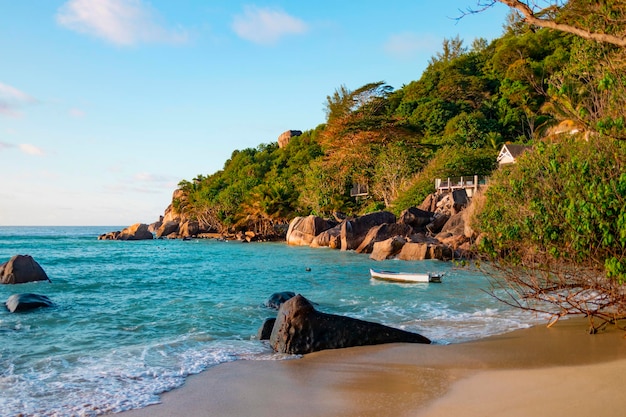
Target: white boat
x: 405, y: 276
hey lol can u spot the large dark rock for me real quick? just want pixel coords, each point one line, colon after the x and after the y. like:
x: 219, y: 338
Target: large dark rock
x: 383, y: 232
x: 460, y: 199
x: 354, y: 231
x: 455, y: 225
x: 414, y: 252
x: 416, y: 217
x: 437, y: 224
x: 328, y: 238
x: 420, y: 251
x: 27, y: 301
x: 168, y: 228
x: 265, y: 331
x: 189, y: 229
x: 300, y: 329
x: 21, y: 269
x: 429, y: 204
x: 302, y: 230
x: 278, y: 298
x: 387, y: 248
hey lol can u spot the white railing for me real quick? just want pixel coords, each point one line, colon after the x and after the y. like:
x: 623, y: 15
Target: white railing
x: 456, y: 183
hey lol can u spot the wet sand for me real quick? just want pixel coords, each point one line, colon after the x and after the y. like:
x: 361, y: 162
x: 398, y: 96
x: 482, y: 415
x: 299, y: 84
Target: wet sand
x: 558, y: 371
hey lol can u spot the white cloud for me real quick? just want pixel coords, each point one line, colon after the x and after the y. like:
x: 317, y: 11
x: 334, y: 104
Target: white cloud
x: 407, y: 45
x: 122, y: 22
x: 266, y: 26
x: 29, y: 149
x: 24, y: 147
x: 12, y: 99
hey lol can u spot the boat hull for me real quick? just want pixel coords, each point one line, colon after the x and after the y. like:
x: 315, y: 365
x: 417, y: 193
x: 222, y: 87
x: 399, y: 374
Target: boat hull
x: 405, y: 276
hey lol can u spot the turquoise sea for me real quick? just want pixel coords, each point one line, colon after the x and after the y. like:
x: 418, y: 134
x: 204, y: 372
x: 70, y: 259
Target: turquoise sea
x: 134, y: 319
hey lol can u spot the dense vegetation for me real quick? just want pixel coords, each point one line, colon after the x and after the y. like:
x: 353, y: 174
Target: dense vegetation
x: 555, y: 222
x: 449, y: 122
x: 555, y: 225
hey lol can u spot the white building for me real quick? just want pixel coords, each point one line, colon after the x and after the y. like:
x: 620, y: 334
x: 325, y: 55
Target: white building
x: 509, y: 153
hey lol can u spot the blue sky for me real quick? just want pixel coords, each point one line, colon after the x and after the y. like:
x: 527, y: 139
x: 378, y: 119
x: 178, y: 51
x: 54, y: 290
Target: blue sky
x: 105, y: 105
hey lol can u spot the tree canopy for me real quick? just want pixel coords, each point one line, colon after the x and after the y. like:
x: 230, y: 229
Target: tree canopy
x: 393, y: 142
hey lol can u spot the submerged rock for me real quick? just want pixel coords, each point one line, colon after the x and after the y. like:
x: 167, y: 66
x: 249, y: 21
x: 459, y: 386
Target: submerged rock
x: 300, y: 329
x: 21, y: 269
x: 278, y: 298
x: 27, y: 301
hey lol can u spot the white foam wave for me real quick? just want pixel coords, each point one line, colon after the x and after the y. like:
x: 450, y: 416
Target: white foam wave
x: 117, y: 381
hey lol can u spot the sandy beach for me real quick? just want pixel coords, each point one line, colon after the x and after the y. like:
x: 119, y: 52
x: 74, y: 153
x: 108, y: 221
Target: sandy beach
x: 558, y: 371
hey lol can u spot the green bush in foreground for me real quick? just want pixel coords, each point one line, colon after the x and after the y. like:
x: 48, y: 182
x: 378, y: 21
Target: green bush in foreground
x: 556, y: 220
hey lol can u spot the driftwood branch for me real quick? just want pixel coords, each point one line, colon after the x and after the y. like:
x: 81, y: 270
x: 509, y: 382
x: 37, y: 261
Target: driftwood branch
x: 558, y: 291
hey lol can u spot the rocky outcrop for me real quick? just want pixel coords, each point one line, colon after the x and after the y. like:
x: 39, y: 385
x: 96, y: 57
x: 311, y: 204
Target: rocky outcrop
x: 21, y: 269
x: 383, y: 232
x: 387, y: 249
x: 285, y: 137
x: 167, y: 228
x: 328, y: 238
x: 354, y: 231
x: 442, y: 234
x: 455, y: 225
x: 26, y: 302
x: 416, y: 218
x: 302, y: 230
x: 299, y: 329
x: 138, y: 231
x: 429, y: 204
x: 414, y: 252
x: 420, y: 251
x: 153, y: 227
x: 189, y: 228
x: 437, y: 224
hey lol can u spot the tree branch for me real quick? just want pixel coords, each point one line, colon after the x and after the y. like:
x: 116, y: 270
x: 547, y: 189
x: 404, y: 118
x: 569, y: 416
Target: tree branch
x: 530, y: 17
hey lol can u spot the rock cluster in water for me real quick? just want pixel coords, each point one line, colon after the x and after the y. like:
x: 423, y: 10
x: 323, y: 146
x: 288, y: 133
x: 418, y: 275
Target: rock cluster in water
x: 22, y: 269
x: 437, y: 229
x: 138, y: 231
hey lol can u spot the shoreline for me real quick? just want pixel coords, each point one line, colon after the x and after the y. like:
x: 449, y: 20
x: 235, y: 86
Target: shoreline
x: 526, y: 372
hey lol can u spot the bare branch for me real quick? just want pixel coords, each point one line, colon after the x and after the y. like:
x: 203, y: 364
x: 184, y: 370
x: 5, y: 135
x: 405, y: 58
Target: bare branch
x: 532, y: 17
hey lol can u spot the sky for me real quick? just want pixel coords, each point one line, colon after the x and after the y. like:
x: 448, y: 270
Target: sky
x: 106, y: 105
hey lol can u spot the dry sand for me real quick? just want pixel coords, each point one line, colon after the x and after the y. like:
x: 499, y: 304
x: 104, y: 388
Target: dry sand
x: 560, y: 371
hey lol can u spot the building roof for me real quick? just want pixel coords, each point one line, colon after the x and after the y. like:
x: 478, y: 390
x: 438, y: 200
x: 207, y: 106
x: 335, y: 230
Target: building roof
x: 512, y: 151
x: 517, y: 150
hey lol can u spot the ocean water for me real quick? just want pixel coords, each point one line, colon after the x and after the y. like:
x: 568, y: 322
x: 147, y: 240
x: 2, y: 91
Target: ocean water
x: 134, y: 319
